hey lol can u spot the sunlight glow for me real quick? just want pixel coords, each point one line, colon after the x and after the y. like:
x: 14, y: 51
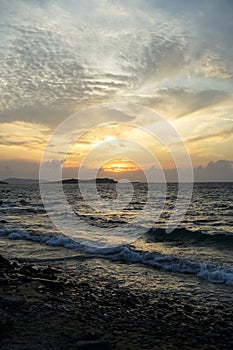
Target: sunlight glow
x: 120, y: 165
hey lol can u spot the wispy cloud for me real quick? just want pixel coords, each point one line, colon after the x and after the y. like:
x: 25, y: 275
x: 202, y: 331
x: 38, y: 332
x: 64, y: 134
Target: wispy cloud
x: 220, y: 135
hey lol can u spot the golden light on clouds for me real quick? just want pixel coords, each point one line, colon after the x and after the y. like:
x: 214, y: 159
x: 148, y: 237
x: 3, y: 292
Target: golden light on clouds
x: 118, y: 148
x: 23, y: 140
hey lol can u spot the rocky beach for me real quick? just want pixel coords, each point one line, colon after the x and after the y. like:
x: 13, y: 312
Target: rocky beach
x: 73, y: 304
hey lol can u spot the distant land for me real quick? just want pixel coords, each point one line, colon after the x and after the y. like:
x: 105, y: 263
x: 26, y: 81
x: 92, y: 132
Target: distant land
x: 98, y: 180
x: 19, y: 181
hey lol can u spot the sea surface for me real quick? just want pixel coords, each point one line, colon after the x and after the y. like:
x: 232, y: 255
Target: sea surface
x: 200, y: 249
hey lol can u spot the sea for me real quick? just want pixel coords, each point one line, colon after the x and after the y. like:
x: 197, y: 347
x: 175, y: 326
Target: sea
x: 199, y: 251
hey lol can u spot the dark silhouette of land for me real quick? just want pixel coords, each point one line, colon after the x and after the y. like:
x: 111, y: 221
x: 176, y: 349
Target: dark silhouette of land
x: 19, y: 181
x: 97, y: 180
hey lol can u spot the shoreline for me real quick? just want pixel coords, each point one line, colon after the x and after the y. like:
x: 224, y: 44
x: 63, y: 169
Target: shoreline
x: 77, y: 305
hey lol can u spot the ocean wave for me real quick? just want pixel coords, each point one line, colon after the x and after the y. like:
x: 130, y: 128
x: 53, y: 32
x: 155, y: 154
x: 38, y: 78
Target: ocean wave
x: 183, y: 235
x: 58, y: 241
x: 210, y: 272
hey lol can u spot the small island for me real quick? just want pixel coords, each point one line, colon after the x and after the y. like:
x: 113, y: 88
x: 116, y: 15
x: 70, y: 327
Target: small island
x: 97, y: 180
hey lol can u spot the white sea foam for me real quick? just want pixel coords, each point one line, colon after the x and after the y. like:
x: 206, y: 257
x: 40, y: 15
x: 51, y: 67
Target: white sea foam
x: 223, y: 274
x: 212, y: 273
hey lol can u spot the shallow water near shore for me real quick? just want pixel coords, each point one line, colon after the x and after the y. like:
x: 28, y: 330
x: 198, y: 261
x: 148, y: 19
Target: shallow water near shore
x: 201, y: 246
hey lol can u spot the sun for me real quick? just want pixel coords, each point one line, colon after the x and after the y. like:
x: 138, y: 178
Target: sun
x: 120, y: 165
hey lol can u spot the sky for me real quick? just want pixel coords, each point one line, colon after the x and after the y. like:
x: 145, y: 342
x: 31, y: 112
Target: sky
x: 60, y: 57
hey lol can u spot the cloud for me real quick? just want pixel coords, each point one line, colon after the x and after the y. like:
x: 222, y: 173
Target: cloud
x: 23, y: 136
x: 213, y: 66
x: 221, y: 170
x: 19, y: 168
x: 59, y: 57
x: 220, y: 135
x: 51, y: 170
x: 179, y: 102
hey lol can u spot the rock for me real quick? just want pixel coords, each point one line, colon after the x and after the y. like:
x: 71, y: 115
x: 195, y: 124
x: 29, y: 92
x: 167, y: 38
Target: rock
x: 12, y: 300
x: 50, y: 270
x: 52, y: 284
x: 5, y: 322
x: 3, y: 280
x: 3, y: 221
x: 87, y: 336
x: 93, y: 345
x: 130, y: 301
x: 4, y: 262
x: 15, y: 265
x: 84, y: 284
x: 30, y: 271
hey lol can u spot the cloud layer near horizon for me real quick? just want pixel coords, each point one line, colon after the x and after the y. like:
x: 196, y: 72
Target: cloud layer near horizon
x: 221, y: 170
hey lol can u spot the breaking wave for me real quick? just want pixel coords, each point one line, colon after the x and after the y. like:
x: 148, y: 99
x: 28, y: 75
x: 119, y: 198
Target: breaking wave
x: 126, y: 253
